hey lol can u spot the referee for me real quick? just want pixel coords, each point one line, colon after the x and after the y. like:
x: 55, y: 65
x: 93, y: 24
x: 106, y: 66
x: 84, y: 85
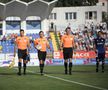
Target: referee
x: 67, y: 43
x: 99, y: 45
x: 22, y: 44
x: 41, y: 44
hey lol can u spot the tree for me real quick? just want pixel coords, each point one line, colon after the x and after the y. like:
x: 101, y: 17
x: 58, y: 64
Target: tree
x: 66, y: 3
x: 4, y: 1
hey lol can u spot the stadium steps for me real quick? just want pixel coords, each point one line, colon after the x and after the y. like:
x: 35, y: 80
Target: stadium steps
x: 58, y: 39
x: 52, y: 34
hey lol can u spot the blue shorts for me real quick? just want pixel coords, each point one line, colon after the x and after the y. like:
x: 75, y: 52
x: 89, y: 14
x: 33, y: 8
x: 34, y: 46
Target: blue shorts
x: 101, y: 56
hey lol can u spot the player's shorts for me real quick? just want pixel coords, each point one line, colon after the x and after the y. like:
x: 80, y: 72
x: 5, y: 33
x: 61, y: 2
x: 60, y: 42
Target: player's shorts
x: 67, y: 53
x: 28, y: 57
x: 22, y: 54
x: 101, y: 56
x: 41, y: 55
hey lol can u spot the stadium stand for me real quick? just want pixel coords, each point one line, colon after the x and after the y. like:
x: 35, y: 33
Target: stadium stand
x: 7, y: 44
x: 83, y: 39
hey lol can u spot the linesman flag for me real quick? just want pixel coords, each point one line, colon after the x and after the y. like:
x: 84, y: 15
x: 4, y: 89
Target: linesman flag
x: 11, y: 65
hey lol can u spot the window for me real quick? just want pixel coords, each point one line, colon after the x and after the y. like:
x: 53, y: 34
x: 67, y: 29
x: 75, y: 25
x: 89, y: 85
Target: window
x: 50, y: 17
x: 95, y: 15
x: 66, y: 16
x: 91, y: 15
x: 104, y: 16
x: 53, y: 16
x: 74, y: 16
x: 70, y: 15
x: 103, y: 4
x: 86, y: 15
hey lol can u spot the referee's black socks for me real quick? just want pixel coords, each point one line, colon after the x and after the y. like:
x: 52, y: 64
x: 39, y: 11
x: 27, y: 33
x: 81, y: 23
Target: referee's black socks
x: 19, y: 67
x: 70, y: 68
x: 41, y: 68
x: 65, y: 65
x: 24, y: 67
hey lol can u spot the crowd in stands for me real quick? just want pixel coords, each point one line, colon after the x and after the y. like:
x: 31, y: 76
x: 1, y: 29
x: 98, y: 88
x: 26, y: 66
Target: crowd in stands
x: 83, y: 37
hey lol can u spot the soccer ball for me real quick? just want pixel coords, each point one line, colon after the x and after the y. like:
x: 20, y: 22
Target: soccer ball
x: 38, y: 47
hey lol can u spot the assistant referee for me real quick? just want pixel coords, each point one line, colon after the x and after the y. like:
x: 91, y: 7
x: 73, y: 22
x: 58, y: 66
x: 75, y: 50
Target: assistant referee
x: 67, y: 43
x: 22, y: 44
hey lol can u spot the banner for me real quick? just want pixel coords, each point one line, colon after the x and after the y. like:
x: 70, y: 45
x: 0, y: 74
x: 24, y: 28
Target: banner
x: 82, y: 61
x: 33, y: 24
x: 79, y: 54
x: 5, y: 60
x: 12, y: 25
x: 80, y: 58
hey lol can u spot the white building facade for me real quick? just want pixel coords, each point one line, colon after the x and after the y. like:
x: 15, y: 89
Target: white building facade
x: 76, y: 17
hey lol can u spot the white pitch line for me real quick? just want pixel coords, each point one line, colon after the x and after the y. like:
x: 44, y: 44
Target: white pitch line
x: 76, y: 82
x: 58, y: 78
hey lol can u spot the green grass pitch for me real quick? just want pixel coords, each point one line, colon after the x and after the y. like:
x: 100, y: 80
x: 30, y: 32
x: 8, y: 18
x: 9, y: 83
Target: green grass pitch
x: 54, y: 79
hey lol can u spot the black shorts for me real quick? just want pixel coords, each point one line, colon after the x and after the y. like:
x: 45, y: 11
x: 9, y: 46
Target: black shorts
x: 41, y: 55
x: 67, y: 53
x: 22, y: 54
x: 101, y: 56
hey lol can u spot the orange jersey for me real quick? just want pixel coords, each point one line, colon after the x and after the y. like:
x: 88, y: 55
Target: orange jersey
x: 22, y: 42
x: 68, y: 41
x: 43, y: 42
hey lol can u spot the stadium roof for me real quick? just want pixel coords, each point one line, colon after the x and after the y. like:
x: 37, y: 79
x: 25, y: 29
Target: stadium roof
x: 22, y: 9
